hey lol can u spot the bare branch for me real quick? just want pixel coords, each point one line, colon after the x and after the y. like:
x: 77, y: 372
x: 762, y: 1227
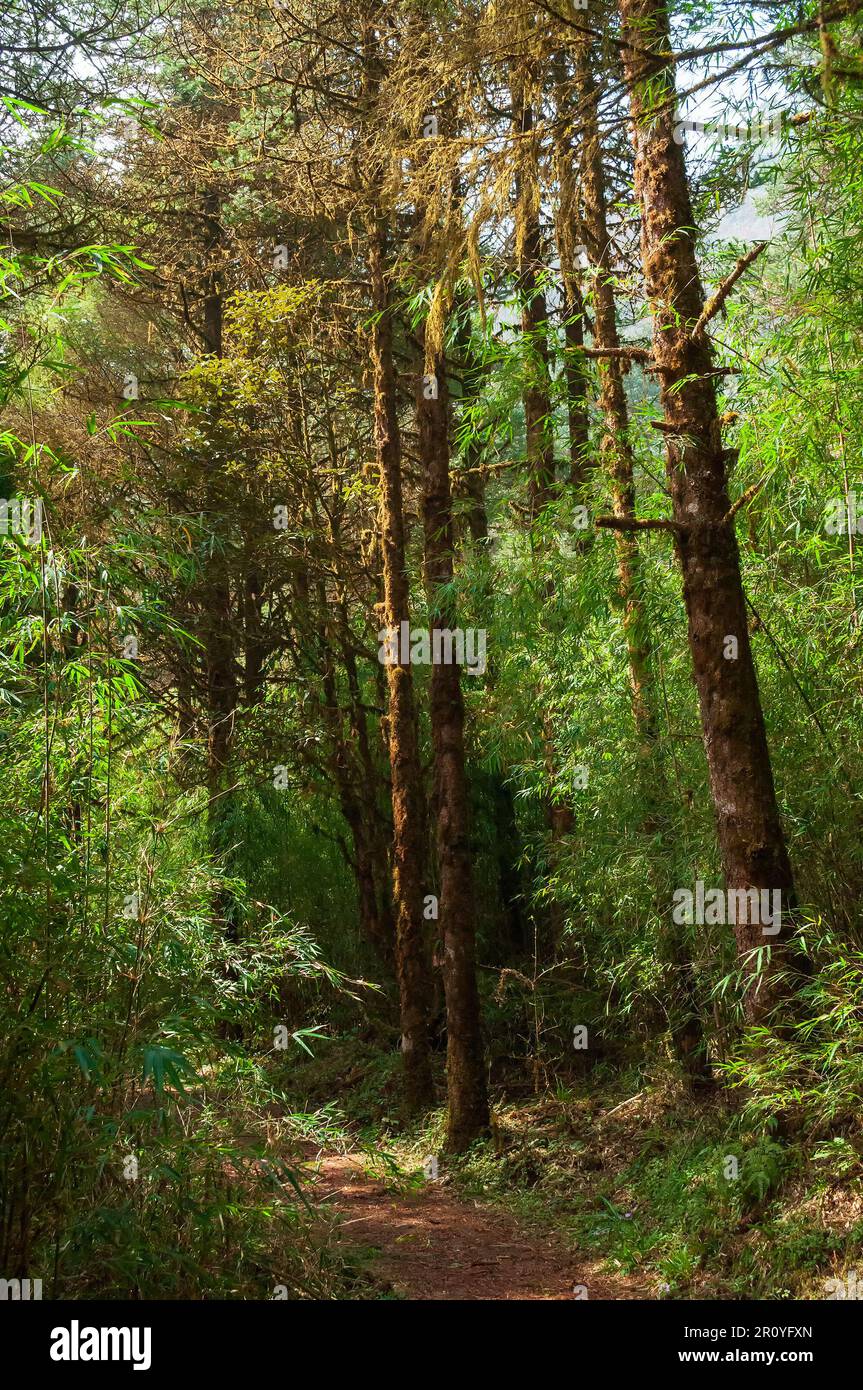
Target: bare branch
x: 716, y: 301
x: 747, y: 496
x: 631, y: 523
x: 633, y: 354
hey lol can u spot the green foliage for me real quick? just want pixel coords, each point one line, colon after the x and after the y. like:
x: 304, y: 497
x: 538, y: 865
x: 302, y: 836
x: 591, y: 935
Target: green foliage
x: 166, y: 902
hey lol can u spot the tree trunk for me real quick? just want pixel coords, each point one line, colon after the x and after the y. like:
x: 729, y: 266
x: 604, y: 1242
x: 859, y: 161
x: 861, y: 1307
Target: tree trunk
x: 616, y: 450
x: 568, y: 236
x: 413, y: 968
x: 749, y: 830
x: 467, y: 1112
x: 377, y: 823
x: 534, y: 313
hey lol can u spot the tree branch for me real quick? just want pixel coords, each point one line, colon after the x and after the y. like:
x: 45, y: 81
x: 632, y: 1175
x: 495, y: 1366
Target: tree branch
x: 747, y: 496
x: 631, y: 523
x: 635, y: 354
x: 716, y: 301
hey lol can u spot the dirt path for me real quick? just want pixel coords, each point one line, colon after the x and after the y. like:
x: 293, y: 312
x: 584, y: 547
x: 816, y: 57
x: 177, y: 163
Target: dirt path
x: 433, y: 1246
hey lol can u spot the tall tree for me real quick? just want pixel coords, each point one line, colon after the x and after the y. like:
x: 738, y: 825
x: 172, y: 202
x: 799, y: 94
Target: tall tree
x: 467, y: 1112
x: 619, y: 460
x: 749, y: 829
x: 414, y: 971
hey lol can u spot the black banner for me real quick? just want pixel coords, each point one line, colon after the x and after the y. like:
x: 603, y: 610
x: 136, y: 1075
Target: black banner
x: 88, y: 1339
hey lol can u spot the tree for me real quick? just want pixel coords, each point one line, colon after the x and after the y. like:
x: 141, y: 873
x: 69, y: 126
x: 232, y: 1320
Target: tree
x: 752, y: 842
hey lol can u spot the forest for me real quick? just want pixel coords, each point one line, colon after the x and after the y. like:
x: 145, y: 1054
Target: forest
x: 431, y: 650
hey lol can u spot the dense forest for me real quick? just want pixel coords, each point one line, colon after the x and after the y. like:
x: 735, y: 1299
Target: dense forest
x: 431, y: 654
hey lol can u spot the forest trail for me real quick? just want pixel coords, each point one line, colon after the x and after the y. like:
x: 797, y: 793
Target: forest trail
x: 431, y: 1245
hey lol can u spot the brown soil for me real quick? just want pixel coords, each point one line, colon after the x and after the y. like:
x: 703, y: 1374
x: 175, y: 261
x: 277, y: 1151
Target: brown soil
x: 429, y: 1244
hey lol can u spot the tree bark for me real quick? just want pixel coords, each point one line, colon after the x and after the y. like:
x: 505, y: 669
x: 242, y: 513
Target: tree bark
x: 749, y: 829
x: 573, y: 308
x: 467, y: 1109
x: 534, y: 312
x: 413, y: 967
x: 615, y: 448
